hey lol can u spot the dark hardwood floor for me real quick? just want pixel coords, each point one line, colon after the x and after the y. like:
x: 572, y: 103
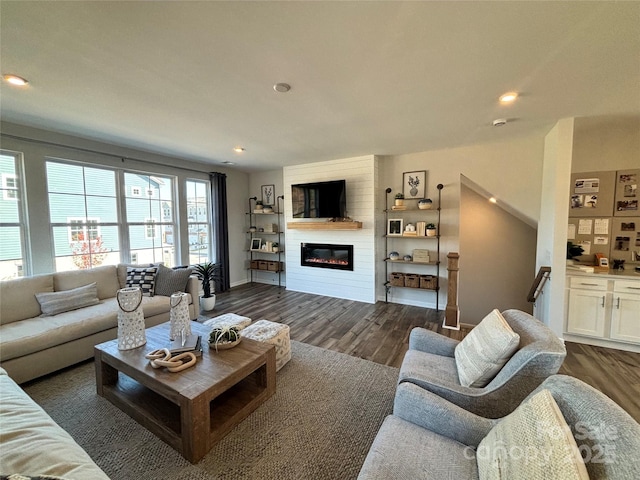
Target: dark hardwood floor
x: 380, y: 333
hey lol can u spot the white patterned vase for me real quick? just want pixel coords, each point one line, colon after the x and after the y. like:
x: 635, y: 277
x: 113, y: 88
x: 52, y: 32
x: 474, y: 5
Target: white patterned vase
x: 179, y: 315
x: 130, y: 318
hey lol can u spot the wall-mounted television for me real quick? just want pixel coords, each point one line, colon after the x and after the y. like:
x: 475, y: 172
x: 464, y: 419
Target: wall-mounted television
x: 319, y: 199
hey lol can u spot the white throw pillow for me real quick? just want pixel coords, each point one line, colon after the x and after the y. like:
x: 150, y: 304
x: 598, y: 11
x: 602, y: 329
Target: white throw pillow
x: 532, y: 442
x: 485, y: 350
x: 53, y: 303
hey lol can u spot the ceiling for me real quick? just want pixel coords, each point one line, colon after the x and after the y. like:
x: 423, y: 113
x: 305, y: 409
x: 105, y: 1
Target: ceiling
x: 194, y: 79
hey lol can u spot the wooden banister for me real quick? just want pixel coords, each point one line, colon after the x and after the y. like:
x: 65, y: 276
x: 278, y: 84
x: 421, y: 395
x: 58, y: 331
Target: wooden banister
x: 452, y: 313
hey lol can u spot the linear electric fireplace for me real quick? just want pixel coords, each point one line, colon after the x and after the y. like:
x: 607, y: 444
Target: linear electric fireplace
x: 326, y: 255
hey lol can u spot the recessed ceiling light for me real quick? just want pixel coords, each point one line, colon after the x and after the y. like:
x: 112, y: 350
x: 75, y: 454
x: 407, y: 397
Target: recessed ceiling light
x: 238, y: 149
x: 228, y: 163
x: 282, y: 87
x: 14, y: 79
x: 493, y: 200
x: 508, y: 97
x: 498, y: 122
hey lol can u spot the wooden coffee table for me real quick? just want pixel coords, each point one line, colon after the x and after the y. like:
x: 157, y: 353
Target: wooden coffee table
x: 194, y: 409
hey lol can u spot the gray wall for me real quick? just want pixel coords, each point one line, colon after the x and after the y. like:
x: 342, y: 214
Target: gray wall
x: 497, y: 256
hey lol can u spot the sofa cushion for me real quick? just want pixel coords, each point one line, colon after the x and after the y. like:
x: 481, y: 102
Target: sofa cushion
x: 441, y: 370
x: 122, y: 271
x: 144, y: 278
x: 404, y: 450
x: 17, y: 297
x: 53, y: 303
x: 170, y: 281
x: 33, y: 444
x: 105, y: 277
x: 532, y: 442
x: 485, y: 350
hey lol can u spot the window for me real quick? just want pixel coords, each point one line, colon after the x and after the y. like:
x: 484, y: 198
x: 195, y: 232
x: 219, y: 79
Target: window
x: 83, y: 208
x: 198, y: 208
x: 150, y: 220
x: 12, y: 217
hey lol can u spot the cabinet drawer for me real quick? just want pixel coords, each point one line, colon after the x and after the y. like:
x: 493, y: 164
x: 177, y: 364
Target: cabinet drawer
x: 626, y: 286
x: 588, y: 283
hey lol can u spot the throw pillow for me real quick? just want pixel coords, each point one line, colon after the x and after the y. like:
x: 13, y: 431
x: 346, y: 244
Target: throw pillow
x: 53, y: 303
x: 485, y: 350
x: 169, y: 281
x: 144, y: 278
x: 532, y: 442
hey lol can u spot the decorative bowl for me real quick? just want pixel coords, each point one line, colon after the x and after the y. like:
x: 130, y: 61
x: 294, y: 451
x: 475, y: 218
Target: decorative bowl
x: 224, y: 345
x: 394, y: 256
x: 425, y: 204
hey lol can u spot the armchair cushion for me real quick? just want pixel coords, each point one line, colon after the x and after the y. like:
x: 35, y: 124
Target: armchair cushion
x: 532, y: 442
x: 485, y: 350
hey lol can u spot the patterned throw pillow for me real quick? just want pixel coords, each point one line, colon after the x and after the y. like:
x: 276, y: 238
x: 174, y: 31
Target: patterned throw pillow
x: 145, y: 278
x: 169, y: 281
x: 532, y: 442
x: 53, y: 303
x: 485, y: 350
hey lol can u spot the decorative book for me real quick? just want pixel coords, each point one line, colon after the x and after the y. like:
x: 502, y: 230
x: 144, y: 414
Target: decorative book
x: 187, y: 343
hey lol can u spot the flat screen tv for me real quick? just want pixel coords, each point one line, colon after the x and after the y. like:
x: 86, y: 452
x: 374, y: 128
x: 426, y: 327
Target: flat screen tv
x: 319, y: 200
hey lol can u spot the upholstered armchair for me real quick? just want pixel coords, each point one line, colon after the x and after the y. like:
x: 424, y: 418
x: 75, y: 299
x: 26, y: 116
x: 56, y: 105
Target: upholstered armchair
x: 428, y: 437
x: 430, y: 364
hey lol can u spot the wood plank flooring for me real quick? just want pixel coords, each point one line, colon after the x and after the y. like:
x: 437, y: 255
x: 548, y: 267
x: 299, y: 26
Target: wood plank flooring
x: 380, y: 333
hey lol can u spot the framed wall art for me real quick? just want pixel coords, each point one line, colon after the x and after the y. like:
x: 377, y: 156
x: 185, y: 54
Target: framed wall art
x: 394, y: 227
x: 268, y: 194
x: 256, y: 243
x: 414, y: 184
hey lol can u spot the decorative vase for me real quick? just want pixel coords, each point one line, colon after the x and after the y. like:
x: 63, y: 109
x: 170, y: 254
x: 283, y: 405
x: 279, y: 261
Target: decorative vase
x: 207, y: 303
x: 407, y: 258
x: 179, y: 315
x: 131, y: 332
x: 425, y: 204
x: 413, y: 191
x: 394, y: 256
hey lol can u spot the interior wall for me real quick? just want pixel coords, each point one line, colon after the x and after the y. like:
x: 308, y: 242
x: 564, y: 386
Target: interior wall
x: 500, y: 258
x: 35, y: 155
x: 359, y: 284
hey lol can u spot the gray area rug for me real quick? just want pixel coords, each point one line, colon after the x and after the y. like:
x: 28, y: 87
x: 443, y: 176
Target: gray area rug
x: 320, y: 424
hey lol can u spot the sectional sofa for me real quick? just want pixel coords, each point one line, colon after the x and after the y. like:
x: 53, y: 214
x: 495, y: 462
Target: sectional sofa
x: 32, y: 344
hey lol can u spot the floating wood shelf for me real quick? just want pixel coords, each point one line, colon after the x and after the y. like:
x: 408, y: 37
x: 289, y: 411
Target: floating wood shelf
x: 324, y: 225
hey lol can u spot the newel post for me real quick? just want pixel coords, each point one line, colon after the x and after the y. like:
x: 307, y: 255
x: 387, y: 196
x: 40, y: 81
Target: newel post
x: 452, y: 313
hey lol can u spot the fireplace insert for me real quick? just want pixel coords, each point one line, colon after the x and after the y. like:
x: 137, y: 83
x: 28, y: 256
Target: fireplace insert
x: 326, y: 255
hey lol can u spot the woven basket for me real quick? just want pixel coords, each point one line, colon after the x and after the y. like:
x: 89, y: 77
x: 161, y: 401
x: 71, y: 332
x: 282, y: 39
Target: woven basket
x: 396, y: 279
x: 428, y: 282
x: 412, y: 280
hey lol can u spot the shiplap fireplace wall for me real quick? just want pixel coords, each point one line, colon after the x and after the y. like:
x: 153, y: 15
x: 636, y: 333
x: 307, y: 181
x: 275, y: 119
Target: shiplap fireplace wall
x: 360, y: 174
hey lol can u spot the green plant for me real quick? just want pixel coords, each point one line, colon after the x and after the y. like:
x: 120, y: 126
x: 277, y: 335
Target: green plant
x: 207, y: 273
x: 221, y: 335
x: 573, y: 250
x: 258, y: 202
x: 431, y: 226
x: 400, y: 196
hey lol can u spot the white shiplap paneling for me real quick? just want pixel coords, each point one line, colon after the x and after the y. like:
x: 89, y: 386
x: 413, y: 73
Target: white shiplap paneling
x: 360, y: 284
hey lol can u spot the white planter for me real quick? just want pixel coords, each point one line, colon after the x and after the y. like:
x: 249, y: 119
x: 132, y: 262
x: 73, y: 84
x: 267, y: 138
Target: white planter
x: 207, y: 304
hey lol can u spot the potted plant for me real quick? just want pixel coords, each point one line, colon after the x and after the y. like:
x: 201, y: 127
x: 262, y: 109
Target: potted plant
x: 275, y: 247
x: 399, y: 199
x: 222, y: 338
x: 207, y: 273
x: 259, y: 205
x: 431, y: 230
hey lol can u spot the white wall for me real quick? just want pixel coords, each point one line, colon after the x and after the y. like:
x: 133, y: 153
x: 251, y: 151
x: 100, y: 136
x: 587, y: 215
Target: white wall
x: 37, y: 202
x: 359, y: 284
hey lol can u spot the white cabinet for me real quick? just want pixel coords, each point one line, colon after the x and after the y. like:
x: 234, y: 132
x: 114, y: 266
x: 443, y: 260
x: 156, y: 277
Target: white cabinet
x: 604, y: 307
x: 625, y: 311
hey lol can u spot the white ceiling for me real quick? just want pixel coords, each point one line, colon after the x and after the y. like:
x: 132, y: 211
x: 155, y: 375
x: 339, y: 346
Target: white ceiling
x: 194, y: 79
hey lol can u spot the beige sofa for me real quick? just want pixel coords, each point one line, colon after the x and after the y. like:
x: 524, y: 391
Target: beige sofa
x: 32, y: 345
x: 33, y: 444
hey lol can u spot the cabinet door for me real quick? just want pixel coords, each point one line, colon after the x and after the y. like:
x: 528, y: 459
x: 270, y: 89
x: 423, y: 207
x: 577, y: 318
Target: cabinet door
x: 586, y: 312
x: 625, y: 317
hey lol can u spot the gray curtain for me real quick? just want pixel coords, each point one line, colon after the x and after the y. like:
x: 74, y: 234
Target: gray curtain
x: 219, y: 226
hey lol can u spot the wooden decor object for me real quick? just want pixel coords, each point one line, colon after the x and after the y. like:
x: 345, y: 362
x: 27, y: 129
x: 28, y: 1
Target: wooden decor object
x: 324, y: 225
x: 452, y: 313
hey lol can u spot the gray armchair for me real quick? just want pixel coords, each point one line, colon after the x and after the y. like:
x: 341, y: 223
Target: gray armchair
x: 430, y: 364
x: 428, y: 437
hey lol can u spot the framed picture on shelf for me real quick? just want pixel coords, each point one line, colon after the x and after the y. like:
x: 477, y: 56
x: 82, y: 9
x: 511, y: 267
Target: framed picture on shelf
x: 394, y: 227
x: 268, y: 194
x: 256, y: 243
x: 414, y: 184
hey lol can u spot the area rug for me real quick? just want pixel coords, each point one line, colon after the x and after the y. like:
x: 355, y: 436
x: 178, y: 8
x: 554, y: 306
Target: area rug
x: 320, y: 423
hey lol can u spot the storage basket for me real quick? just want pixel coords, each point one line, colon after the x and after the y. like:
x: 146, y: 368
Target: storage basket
x: 273, y: 266
x: 254, y: 265
x: 396, y: 279
x: 412, y: 280
x: 428, y: 282
x: 263, y: 265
